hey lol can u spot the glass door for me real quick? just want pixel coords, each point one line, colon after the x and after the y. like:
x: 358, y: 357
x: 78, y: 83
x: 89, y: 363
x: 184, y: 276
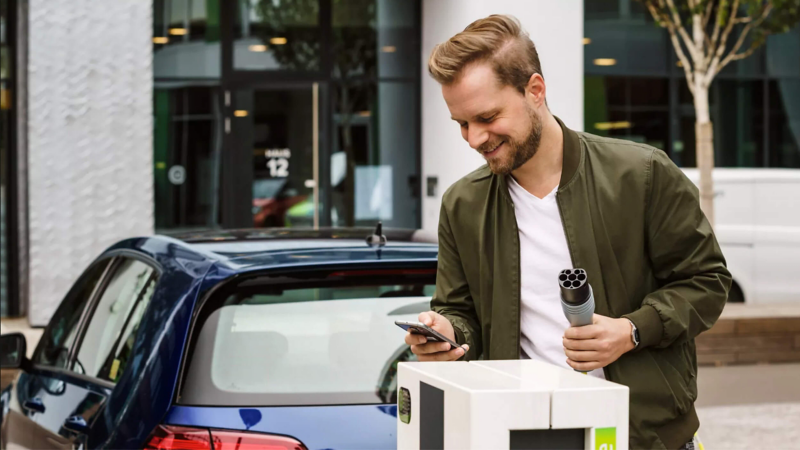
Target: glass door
x: 278, y: 127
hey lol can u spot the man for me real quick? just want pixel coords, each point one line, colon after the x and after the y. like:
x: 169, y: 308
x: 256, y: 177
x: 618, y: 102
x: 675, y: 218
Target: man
x: 551, y: 198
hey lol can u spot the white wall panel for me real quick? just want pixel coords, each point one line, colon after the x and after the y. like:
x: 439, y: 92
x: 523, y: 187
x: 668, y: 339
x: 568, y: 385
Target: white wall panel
x: 556, y: 28
x: 90, y: 137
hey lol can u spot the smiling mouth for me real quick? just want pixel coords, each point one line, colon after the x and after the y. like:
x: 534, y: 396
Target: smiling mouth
x: 494, y: 150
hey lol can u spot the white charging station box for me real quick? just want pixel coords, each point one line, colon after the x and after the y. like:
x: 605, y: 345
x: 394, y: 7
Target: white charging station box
x: 514, y: 404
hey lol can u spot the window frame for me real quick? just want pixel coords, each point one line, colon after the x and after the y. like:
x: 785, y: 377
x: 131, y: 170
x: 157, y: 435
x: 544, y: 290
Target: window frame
x: 118, y: 257
x: 113, y: 260
x: 42, y: 342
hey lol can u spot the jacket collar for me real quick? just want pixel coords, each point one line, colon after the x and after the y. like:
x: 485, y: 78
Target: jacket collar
x: 569, y: 163
x: 572, y: 154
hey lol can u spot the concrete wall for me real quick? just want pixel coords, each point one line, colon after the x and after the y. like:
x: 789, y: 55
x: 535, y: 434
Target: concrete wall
x: 556, y: 27
x: 89, y: 137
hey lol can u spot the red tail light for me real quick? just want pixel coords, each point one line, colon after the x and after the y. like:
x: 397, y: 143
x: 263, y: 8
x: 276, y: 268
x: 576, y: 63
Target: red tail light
x: 168, y: 437
x: 234, y: 440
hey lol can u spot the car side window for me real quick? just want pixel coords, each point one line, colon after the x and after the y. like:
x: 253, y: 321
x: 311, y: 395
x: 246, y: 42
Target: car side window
x: 58, y: 338
x: 109, y: 337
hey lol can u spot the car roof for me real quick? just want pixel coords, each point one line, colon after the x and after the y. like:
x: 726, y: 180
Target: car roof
x: 262, y: 248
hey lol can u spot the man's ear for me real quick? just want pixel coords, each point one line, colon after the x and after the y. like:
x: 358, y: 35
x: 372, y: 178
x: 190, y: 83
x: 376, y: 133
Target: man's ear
x: 536, y: 90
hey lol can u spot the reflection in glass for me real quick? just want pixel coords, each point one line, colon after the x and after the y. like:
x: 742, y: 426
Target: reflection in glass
x: 292, y: 345
x: 374, y: 155
x: 784, y: 123
x: 186, y: 39
x: 631, y: 108
x: 55, y: 343
x: 277, y: 35
x: 739, y: 127
x: 187, y: 152
x: 114, y: 322
x: 282, y: 146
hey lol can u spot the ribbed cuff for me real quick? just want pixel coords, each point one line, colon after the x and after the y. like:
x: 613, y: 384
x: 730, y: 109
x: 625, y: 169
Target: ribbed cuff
x: 649, y: 324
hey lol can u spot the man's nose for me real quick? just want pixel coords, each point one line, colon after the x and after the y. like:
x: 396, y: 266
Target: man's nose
x: 477, y: 135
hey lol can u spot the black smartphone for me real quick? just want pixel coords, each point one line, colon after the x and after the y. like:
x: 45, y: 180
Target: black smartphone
x: 428, y: 332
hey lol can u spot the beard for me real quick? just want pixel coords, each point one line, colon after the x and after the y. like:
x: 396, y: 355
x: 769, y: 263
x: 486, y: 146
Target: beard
x: 518, y: 152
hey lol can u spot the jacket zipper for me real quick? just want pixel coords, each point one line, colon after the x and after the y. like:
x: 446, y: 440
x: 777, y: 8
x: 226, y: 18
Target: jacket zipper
x: 519, y: 281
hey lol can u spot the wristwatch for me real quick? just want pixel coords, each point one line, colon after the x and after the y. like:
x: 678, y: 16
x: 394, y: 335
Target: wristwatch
x: 634, y: 334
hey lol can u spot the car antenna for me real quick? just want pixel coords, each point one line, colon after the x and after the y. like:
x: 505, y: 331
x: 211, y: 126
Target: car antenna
x: 377, y: 239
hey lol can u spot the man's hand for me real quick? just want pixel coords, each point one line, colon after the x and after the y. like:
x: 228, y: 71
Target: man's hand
x: 435, y: 351
x: 597, y: 345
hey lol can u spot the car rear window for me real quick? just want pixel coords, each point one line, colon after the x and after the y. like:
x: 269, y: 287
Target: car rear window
x: 320, y: 340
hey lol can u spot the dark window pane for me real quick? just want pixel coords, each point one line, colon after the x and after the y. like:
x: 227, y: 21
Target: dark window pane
x: 783, y: 54
x: 282, y: 149
x: 186, y: 39
x: 739, y: 131
x: 595, y: 104
x: 649, y: 92
x: 6, y: 125
x: 601, y: 9
x: 277, y: 35
x: 56, y: 342
x: 114, y: 322
x: 187, y: 152
x: 374, y: 38
x: 375, y: 153
x: 784, y: 123
x: 616, y: 91
x: 685, y: 96
x: 683, y: 150
x: 650, y: 127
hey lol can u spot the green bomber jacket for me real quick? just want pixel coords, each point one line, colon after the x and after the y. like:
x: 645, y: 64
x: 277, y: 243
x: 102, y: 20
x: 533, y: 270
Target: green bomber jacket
x: 633, y: 221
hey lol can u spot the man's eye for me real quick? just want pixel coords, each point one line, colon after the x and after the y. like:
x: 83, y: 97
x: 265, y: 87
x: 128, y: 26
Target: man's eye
x: 488, y: 119
x: 463, y: 125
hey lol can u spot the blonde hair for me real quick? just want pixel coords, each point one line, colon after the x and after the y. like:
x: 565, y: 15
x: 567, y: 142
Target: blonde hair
x: 498, y: 40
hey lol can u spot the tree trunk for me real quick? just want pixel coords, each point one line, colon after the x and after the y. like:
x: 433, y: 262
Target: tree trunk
x: 704, y: 134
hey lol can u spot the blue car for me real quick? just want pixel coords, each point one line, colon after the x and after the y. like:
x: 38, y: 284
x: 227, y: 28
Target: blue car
x: 278, y: 339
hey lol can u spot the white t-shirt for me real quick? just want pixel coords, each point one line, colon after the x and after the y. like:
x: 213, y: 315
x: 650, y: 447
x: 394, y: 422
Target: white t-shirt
x: 543, y: 254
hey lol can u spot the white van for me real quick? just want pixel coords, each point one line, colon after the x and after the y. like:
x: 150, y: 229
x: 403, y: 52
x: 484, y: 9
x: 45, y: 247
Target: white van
x: 758, y: 227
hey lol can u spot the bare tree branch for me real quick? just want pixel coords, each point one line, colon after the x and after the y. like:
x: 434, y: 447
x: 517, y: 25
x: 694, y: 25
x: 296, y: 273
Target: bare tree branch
x: 715, y: 35
x: 678, y: 25
x: 733, y: 56
x: 720, y: 50
x: 665, y: 21
x: 707, y: 14
x: 687, y: 66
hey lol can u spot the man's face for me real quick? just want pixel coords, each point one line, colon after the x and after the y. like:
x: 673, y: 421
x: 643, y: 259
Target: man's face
x: 497, y: 121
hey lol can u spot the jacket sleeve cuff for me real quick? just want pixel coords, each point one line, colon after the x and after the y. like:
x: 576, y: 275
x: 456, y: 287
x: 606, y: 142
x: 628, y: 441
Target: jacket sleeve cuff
x: 460, y: 339
x: 648, y: 322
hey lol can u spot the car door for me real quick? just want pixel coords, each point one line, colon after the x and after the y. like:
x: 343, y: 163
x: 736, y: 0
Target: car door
x: 26, y: 402
x: 99, y: 356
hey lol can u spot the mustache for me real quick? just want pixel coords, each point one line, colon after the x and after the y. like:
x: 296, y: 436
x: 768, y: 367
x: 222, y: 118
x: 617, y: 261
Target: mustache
x: 490, y: 146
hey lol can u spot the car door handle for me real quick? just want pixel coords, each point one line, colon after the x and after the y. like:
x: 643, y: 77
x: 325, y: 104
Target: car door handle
x: 34, y: 405
x: 76, y: 424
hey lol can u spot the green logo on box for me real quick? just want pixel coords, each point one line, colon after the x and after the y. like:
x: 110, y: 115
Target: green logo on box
x: 605, y: 438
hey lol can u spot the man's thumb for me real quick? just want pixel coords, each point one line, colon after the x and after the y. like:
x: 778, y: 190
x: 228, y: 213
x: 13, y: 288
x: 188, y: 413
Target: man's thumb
x: 428, y: 318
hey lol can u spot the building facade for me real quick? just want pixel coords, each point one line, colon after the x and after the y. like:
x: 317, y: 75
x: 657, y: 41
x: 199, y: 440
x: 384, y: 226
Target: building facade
x: 197, y: 114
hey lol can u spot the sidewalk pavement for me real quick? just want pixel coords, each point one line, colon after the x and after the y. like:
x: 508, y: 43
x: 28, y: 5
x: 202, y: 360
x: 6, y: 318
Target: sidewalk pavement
x: 749, y: 407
